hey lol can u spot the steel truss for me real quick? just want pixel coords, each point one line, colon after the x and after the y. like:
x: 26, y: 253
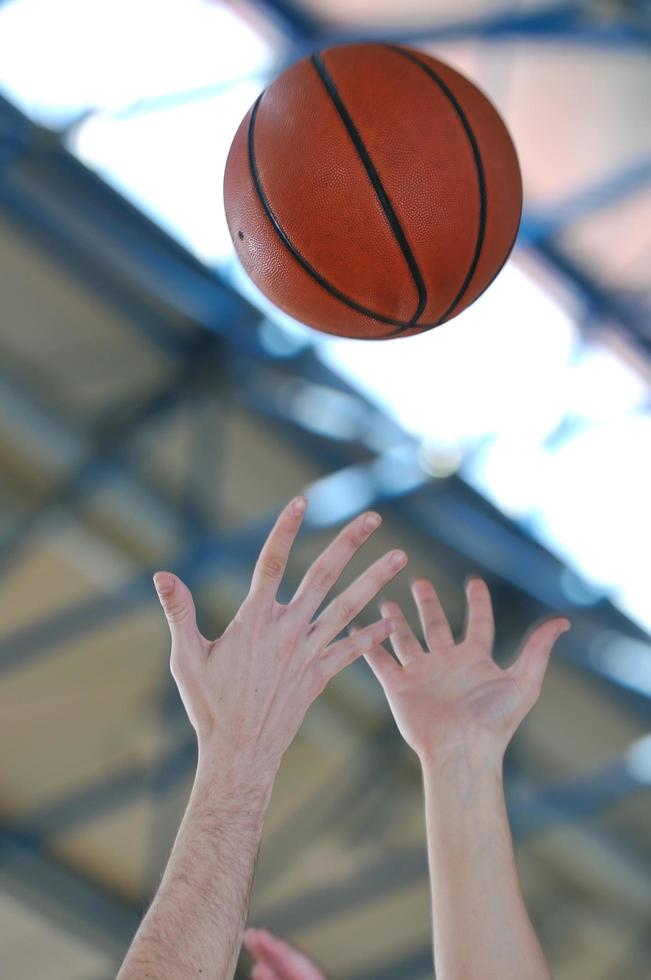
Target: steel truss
x: 84, y: 225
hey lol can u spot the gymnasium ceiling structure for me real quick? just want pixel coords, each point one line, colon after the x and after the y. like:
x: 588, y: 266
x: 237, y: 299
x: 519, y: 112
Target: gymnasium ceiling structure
x: 156, y: 412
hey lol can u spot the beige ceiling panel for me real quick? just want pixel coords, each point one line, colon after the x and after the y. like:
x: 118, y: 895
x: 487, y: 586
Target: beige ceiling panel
x: 373, y: 934
x: 33, y: 948
x: 80, y: 346
x: 84, y: 710
x: 115, y: 849
x: 614, y: 244
x: 576, y: 727
x: 407, y: 13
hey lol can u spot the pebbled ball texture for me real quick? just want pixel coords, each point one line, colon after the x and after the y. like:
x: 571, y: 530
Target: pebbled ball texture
x: 372, y: 191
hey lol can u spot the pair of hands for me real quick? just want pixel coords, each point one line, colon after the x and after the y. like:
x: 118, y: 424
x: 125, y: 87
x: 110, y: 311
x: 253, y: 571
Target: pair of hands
x: 247, y: 692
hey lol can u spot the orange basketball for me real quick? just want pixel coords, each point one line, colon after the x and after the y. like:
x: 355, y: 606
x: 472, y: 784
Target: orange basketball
x: 372, y: 191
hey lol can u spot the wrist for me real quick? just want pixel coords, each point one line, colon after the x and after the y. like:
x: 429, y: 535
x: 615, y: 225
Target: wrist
x: 462, y: 781
x: 472, y: 755
x: 241, y: 774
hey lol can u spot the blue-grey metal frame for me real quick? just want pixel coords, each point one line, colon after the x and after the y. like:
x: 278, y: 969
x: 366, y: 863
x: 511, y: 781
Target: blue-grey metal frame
x: 90, y: 225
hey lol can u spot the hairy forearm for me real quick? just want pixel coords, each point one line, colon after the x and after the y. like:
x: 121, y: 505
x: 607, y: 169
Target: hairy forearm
x: 481, y: 925
x: 195, y: 924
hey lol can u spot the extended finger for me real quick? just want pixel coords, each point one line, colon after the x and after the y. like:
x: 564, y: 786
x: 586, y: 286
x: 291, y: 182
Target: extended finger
x: 406, y: 646
x: 383, y: 666
x: 287, y: 962
x: 272, y: 560
x: 433, y: 620
x: 380, y: 661
x: 178, y: 606
x: 352, y: 600
x: 325, y: 571
x: 530, y: 667
x: 480, y: 622
x: 360, y: 642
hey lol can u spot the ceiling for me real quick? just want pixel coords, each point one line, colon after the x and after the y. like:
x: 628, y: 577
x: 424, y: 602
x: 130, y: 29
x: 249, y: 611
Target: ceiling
x: 152, y: 415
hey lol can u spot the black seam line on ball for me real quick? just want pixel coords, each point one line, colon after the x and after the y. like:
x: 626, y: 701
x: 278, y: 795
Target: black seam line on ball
x: 479, y: 166
x: 286, y: 240
x: 501, y: 265
x: 378, y: 187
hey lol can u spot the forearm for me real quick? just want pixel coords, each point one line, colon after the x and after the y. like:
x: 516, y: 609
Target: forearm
x: 195, y: 924
x: 480, y: 922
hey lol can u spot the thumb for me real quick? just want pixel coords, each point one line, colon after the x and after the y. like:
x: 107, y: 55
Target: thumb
x: 178, y: 606
x: 530, y: 667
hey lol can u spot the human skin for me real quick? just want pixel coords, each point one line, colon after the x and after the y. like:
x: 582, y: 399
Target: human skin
x: 274, y: 959
x: 246, y: 694
x: 458, y: 710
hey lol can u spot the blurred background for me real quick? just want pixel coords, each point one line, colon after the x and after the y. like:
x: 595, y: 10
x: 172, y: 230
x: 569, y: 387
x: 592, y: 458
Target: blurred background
x: 156, y: 412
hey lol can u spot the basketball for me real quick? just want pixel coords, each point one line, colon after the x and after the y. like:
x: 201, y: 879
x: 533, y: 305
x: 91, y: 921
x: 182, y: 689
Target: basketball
x: 372, y: 191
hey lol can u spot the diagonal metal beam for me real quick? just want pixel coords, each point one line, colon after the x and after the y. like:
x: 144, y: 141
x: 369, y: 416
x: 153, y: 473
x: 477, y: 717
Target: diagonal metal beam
x: 90, y: 229
x: 447, y: 511
x: 107, y: 794
x: 108, y: 450
x: 561, y: 22
x: 599, y: 301
x: 25, y: 861
x: 548, y: 221
x: 545, y: 809
x: 417, y: 963
x: 452, y: 513
x: 63, y: 895
x: 233, y: 550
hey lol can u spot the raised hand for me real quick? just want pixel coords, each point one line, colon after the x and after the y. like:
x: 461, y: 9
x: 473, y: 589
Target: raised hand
x: 246, y: 694
x: 248, y: 691
x: 276, y: 959
x: 454, y: 695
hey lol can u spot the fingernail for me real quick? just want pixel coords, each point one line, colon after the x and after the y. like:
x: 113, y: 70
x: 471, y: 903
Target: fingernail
x: 371, y: 521
x: 398, y: 558
x: 564, y: 626
x: 163, y: 583
x: 299, y: 505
